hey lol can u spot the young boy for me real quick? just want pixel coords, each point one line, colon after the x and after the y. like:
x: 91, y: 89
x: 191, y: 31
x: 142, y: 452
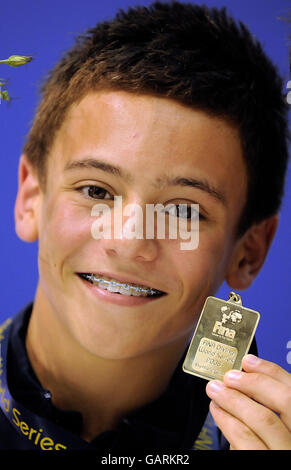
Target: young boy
x: 169, y: 104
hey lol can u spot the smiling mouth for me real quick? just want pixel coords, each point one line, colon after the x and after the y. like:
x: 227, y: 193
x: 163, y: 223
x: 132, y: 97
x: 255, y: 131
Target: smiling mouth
x: 123, y: 288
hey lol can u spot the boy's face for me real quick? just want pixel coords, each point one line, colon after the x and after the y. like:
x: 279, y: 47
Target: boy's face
x: 147, y: 137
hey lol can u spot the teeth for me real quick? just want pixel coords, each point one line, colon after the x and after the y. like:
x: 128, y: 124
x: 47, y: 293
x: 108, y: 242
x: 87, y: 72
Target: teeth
x: 112, y: 288
x: 125, y: 291
x: 123, y: 288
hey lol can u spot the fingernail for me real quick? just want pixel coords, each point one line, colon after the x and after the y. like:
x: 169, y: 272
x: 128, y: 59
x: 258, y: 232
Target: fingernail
x: 215, y: 386
x: 234, y: 374
x: 251, y: 359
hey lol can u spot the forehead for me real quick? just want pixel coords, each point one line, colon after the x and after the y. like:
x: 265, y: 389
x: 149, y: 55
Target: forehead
x: 133, y: 117
x: 150, y: 136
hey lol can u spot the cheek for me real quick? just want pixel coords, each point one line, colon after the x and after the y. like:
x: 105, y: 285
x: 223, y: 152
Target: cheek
x: 202, y: 270
x: 64, y: 230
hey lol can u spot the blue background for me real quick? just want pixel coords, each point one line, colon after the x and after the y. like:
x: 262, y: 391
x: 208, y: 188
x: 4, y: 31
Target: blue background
x: 45, y: 29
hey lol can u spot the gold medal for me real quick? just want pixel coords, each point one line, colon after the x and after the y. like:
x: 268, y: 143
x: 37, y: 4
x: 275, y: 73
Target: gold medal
x: 222, y: 337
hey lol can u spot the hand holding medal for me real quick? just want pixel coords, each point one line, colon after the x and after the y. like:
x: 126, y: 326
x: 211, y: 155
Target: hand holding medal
x: 251, y: 407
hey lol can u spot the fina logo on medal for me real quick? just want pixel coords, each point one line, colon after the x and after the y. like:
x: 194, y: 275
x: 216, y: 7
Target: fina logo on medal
x: 228, y: 316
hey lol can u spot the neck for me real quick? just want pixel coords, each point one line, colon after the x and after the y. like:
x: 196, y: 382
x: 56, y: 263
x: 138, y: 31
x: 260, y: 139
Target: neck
x: 103, y: 390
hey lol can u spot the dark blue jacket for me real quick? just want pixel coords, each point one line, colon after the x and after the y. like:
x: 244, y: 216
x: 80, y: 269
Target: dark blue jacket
x: 172, y: 422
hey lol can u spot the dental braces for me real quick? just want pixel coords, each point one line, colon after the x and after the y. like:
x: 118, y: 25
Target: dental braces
x: 143, y: 290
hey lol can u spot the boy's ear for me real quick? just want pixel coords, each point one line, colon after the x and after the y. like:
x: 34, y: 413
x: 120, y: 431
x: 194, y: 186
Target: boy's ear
x: 250, y: 252
x: 26, y: 210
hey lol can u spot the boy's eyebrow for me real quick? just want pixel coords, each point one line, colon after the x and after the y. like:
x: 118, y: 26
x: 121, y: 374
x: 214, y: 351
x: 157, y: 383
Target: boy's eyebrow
x: 164, y: 180
x: 192, y: 182
x: 100, y: 165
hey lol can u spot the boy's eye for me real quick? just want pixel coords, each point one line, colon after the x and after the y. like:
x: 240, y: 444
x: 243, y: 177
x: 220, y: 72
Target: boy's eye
x: 94, y: 192
x: 183, y: 211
